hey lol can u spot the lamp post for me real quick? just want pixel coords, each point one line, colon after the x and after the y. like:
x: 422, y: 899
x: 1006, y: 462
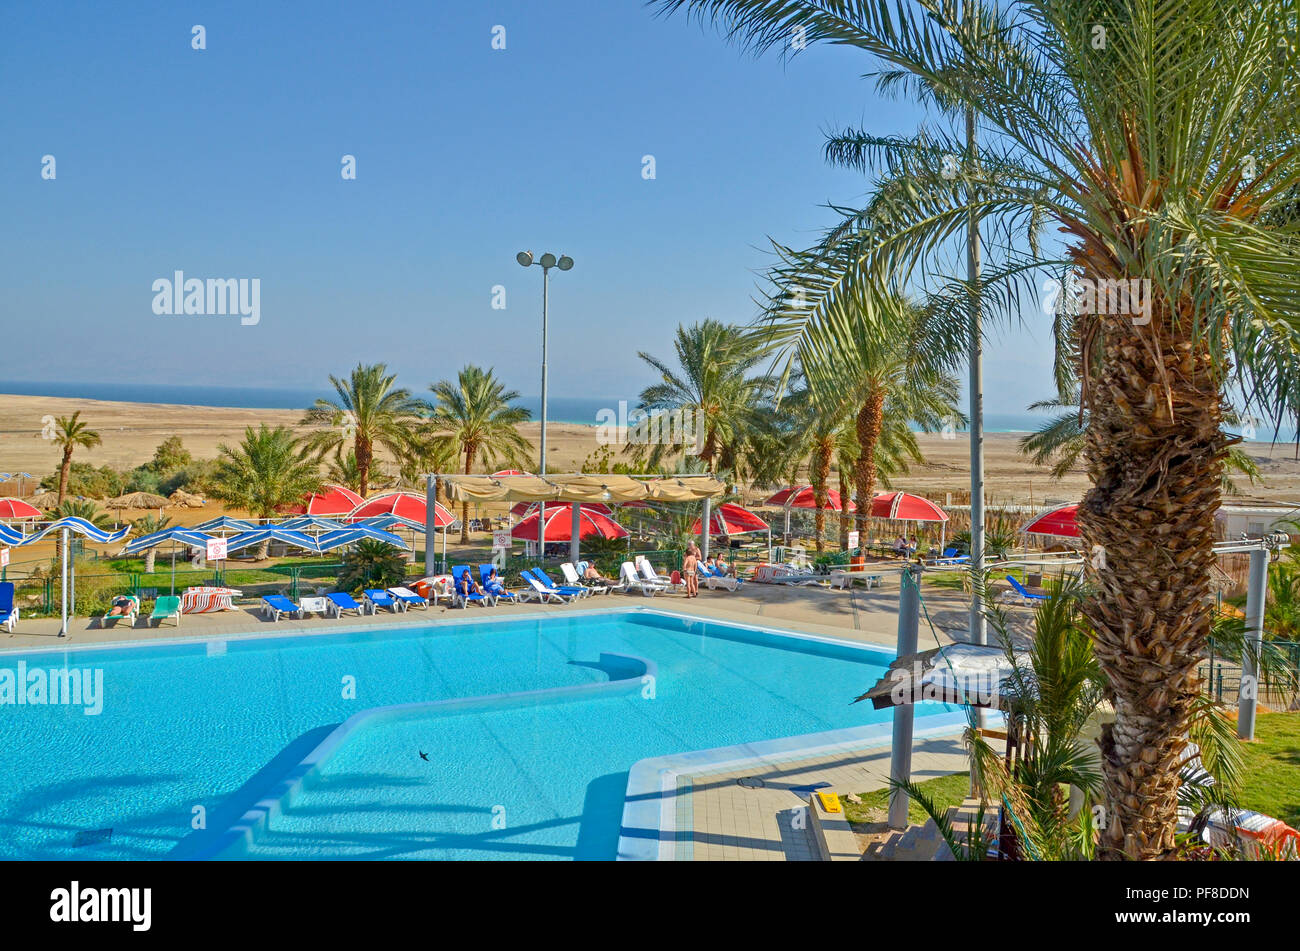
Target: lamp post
x: 545, y: 262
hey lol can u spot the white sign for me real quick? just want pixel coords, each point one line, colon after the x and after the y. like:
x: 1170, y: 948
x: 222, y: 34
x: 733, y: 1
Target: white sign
x: 4, y: 557
x: 216, y: 549
x: 853, y: 539
x: 501, y: 540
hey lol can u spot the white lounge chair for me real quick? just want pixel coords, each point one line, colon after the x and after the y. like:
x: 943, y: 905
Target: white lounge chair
x: 571, y: 577
x: 628, y: 577
x: 713, y: 580
x: 649, y: 574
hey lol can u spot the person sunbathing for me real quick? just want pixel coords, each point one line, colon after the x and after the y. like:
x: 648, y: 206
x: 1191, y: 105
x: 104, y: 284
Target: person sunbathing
x: 594, y: 576
x: 469, y: 586
x: 493, y: 582
x: 721, y: 568
x: 121, y: 607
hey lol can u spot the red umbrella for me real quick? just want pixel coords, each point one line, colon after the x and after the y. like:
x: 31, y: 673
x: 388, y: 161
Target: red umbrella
x: 803, y: 497
x: 731, y: 519
x: 1057, y: 521
x: 17, y: 508
x: 331, y: 500
x: 404, y: 504
x: 509, y: 472
x: 559, y: 525
x: 906, y: 508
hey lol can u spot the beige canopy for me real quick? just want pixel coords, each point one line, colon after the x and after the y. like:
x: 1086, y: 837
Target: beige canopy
x: 582, y: 487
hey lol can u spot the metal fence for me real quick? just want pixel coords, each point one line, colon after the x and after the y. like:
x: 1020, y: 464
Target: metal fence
x: 1221, y: 677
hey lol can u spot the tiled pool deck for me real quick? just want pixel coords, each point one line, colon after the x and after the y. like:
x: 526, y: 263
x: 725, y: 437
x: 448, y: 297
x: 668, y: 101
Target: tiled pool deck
x: 712, y: 817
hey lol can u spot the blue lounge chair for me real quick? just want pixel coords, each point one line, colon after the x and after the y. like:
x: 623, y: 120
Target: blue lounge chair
x: 496, y: 588
x: 379, y: 598
x: 273, y: 605
x: 1021, y: 593
x: 8, y: 611
x: 572, y: 590
x: 341, y: 601
x: 950, y: 557
x: 409, y: 598
x: 543, y: 591
x: 457, y: 573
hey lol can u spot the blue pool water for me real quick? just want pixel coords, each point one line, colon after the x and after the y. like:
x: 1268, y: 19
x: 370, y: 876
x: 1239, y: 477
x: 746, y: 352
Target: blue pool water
x: 195, y: 729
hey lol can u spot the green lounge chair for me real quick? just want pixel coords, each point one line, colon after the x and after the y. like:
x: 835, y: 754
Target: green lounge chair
x: 167, y: 606
x: 110, y: 620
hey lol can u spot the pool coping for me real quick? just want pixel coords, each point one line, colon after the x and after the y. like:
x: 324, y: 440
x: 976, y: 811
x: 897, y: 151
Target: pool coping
x: 649, y: 829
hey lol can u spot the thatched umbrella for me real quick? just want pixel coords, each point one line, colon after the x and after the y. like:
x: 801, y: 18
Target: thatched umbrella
x: 137, y: 500
x: 43, y: 501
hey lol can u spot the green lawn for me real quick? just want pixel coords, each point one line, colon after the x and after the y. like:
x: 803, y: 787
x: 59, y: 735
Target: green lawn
x: 1272, y: 784
x: 945, y: 791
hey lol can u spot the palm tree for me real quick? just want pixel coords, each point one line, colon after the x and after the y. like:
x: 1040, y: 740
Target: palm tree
x: 1158, y: 137
x: 711, y: 385
x: 1063, y: 439
x: 371, y: 562
x: 474, y: 413
x: 147, y: 526
x: 264, y: 472
x: 69, y: 433
x: 367, y: 412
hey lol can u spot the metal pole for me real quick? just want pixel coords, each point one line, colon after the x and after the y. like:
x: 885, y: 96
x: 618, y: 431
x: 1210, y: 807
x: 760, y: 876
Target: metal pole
x: 1248, y: 693
x: 541, y: 506
x: 430, y: 522
x: 704, y: 527
x: 900, y: 754
x: 63, y: 580
x: 574, y: 531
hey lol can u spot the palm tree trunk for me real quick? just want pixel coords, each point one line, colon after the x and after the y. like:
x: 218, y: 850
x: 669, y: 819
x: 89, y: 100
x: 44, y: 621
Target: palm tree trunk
x: 844, y: 509
x: 820, y: 476
x: 710, y: 449
x: 149, y: 558
x: 64, y: 469
x: 365, y: 454
x: 869, y: 421
x: 1155, y: 456
x: 470, y: 452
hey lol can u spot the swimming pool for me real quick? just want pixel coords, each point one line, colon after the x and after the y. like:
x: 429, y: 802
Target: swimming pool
x: 191, y: 735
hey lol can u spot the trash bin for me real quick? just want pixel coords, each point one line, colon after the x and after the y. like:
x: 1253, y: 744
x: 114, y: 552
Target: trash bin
x: 1033, y: 579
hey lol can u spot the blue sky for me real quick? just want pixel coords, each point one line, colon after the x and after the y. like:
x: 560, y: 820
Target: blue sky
x: 225, y: 162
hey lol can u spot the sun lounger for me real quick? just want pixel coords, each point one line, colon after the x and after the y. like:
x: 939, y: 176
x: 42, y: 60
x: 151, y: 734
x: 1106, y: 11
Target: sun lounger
x: 714, y: 580
x: 1020, y: 593
x: 167, y: 606
x: 571, y: 576
x: 410, y: 598
x: 132, y: 609
x: 8, y: 610
x: 464, y: 600
x: 496, y: 588
x: 950, y: 557
x: 631, y: 581
x: 379, y: 598
x: 545, y: 592
x: 340, y: 601
x: 573, y: 590
x: 274, y: 605
x: 313, y: 605
x: 649, y: 574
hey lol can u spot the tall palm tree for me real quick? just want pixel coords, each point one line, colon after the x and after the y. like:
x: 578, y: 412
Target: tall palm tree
x: 713, y: 383
x: 268, y: 469
x: 474, y: 414
x: 69, y: 433
x: 368, y: 411
x: 1158, y: 136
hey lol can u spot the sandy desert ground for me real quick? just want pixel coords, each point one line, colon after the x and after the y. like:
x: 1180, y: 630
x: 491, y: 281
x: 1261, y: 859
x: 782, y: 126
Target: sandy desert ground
x: 130, y: 432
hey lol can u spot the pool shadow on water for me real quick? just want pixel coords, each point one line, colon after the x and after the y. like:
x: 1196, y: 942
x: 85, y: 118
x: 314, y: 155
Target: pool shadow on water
x: 602, y: 818
x: 232, y: 807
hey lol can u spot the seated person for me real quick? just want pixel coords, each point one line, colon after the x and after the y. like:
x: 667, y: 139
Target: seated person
x: 721, y: 568
x: 122, y: 606
x: 493, y: 582
x: 900, y: 546
x: 591, y: 575
x: 468, y: 585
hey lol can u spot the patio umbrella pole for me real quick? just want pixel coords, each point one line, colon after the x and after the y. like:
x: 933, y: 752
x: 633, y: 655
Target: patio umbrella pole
x: 430, y: 523
x: 900, y: 755
x: 705, y: 527
x: 1257, y: 589
x: 574, y: 531
x: 63, y: 579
